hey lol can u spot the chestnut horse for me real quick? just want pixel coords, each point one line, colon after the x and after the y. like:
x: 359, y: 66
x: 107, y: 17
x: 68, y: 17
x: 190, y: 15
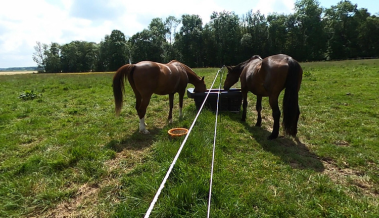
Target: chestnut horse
x: 148, y: 77
x: 267, y: 78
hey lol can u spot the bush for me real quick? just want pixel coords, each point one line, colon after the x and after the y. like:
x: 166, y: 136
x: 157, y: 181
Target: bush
x: 29, y: 95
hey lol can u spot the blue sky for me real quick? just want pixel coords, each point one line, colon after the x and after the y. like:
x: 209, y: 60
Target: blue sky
x: 24, y: 22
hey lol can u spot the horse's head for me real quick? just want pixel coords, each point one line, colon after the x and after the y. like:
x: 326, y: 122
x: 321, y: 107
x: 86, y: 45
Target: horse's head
x: 200, y: 86
x: 231, y: 78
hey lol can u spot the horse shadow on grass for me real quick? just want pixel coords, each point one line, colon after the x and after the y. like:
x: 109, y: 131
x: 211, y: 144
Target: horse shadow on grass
x: 135, y: 141
x: 138, y: 141
x: 290, y: 150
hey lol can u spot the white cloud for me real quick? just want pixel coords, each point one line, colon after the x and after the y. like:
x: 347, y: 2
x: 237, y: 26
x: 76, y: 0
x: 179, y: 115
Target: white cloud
x: 23, y: 23
x: 278, y: 6
x: 26, y: 22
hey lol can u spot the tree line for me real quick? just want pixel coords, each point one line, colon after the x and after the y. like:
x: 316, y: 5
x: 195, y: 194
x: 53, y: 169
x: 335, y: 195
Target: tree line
x: 311, y: 33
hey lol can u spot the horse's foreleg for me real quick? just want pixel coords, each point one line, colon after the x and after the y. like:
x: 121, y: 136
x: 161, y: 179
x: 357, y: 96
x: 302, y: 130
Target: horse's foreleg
x: 258, y: 107
x: 276, y: 115
x: 244, y: 105
x: 171, y: 100
x: 181, y: 96
x: 142, y: 112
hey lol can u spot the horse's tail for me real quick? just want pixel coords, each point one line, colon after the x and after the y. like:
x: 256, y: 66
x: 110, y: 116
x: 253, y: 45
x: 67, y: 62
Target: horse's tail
x: 291, y: 109
x: 119, y: 85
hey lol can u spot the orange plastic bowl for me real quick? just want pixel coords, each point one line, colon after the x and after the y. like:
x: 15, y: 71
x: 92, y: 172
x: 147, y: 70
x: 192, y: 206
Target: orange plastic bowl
x: 177, y: 132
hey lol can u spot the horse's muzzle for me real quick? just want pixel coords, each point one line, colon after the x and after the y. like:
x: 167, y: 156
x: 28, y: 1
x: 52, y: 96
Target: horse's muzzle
x: 226, y: 88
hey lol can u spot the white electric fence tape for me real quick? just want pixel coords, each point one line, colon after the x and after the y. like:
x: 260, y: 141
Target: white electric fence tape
x: 178, y: 153
x: 213, y: 151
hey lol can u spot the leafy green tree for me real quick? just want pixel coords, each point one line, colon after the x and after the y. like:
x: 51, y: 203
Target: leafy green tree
x: 189, y: 40
x: 79, y: 56
x: 103, y: 60
x: 209, y: 47
x: 171, y: 24
x: 90, y: 56
x: 247, y: 45
x: 117, y: 50
x: 308, y: 14
x: 227, y: 34
x: 169, y: 50
x: 255, y: 35
x: 368, y: 26
x: 342, y: 30
x: 150, y: 44
x: 294, y: 43
x: 39, y: 56
x: 71, y: 57
x: 158, y: 33
x: 140, y: 46
x: 310, y: 34
x: 277, y: 33
x: 53, y: 61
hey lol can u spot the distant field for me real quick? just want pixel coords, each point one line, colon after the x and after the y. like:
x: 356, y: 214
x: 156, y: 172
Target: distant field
x: 64, y: 153
x: 16, y: 72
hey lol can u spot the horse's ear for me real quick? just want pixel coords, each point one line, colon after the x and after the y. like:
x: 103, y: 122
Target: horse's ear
x: 229, y: 68
x: 202, y: 79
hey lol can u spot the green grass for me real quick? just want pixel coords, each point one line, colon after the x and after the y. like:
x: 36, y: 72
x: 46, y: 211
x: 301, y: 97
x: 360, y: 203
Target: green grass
x: 64, y: 152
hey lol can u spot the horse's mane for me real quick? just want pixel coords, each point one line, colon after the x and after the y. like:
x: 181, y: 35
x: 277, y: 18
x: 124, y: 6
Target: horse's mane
x: 242, y: 65
x: 255, y: 57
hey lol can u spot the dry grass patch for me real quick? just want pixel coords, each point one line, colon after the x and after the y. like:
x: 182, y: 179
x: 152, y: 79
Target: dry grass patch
x: 17, y: 72
x: 85, y: 203
x: 348, y: 176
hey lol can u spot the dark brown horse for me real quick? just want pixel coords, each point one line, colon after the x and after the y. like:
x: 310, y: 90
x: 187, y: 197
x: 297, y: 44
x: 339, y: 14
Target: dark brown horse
x: 267, y: 78
x: 148, y: 77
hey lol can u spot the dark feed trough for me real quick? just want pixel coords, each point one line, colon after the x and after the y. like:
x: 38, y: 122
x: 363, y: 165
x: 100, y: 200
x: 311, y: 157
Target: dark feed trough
x: 229, y: 100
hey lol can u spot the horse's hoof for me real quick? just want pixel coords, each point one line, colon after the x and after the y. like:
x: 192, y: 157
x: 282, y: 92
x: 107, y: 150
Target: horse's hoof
x: 144, y: 131
x: 258, y: 125
x: 170, y: 121
x: 271, y: 137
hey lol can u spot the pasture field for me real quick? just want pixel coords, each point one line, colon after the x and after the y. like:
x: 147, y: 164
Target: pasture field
x: 64, y: 153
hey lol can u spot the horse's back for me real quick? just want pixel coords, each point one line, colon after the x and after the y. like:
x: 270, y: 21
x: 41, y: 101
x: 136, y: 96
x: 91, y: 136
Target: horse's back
x: 251, y: 78
x: 277, y: 65
x: 147, y: 69
x: 275, y: 68
x: 158, y: 78
x: 282, y: 64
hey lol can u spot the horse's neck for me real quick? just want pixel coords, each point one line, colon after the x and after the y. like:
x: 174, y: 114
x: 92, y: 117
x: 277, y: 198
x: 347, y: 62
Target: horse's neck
x: 192, y: 77
x: 238, y: 69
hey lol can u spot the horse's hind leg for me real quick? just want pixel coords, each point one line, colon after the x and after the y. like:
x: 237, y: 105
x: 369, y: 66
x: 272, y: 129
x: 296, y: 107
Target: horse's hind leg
x: 138, y: 105
x: 258, y: 107
x: 145, y: 100
x: 244, y: 105
x: 171, y: 100
x: 276, y: 115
